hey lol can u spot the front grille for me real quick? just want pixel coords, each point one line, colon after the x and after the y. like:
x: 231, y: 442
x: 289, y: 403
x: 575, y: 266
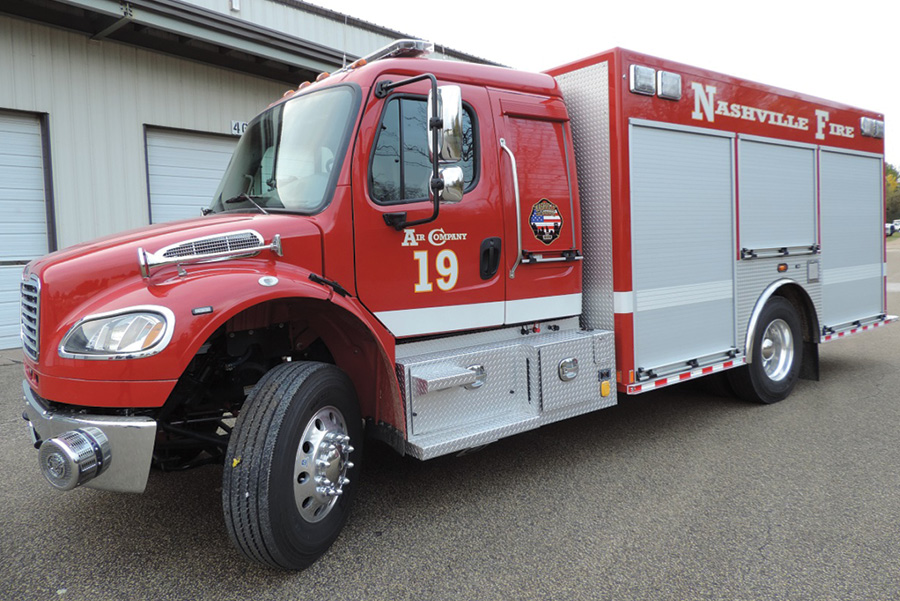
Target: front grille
x: 235, y: 242
x: 31, y: 316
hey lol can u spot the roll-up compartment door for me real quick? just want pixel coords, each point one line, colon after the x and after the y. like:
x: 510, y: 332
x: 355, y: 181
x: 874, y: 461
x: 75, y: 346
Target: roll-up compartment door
x: 23, y: 229
x: 852, y: 237
x: 777, y: 195
x: 682, y: 212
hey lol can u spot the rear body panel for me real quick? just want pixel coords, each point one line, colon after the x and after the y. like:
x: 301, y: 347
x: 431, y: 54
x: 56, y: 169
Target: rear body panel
x: 708, y: 197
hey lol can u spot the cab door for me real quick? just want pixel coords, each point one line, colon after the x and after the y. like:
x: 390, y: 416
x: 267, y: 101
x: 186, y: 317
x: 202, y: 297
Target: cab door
x: 441, y: 276
x: 537, y: 174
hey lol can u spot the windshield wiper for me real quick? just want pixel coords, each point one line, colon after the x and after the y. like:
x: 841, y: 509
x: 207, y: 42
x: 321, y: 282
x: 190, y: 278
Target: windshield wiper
x: 244, y: 197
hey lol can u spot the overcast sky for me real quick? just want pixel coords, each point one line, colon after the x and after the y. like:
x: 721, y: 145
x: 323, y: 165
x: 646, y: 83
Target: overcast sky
x: 848, y: 52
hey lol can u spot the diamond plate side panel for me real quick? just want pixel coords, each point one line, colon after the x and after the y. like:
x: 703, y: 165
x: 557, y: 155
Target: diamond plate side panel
x: 754, y: 276
x: 555, y: 392
x: 446, y: 421
x: 586, y: 92
x: 503, y: 396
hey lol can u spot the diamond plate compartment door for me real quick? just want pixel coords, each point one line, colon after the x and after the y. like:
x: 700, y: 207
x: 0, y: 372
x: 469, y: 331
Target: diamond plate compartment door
x: 469, y: 392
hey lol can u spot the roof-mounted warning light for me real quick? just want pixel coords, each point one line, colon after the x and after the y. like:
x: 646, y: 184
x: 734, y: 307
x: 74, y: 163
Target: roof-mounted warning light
x: 402, y: 48
x: 407, y: 48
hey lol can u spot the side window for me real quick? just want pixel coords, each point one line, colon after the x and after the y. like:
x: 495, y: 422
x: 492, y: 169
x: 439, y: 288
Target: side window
x: 400, y: 169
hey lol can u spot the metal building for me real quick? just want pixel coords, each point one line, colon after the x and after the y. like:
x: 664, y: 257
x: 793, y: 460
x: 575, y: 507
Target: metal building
x: 116, y: 114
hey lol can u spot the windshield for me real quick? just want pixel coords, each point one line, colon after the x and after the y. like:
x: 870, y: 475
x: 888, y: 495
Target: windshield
x: 289, y: 156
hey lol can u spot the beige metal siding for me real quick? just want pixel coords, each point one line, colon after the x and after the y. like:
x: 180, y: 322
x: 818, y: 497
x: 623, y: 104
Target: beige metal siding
x: 302, y: 24
x: 99, y: 96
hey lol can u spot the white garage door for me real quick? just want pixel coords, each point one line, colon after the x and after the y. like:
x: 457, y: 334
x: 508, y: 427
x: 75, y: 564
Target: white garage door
x: 23, y: 228
x: 184, y: 170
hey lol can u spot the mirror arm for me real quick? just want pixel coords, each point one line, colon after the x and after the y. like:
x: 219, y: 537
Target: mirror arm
x: 382, y: 88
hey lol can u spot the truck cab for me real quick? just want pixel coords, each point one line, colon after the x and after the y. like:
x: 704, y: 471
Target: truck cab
x: 378, y: 248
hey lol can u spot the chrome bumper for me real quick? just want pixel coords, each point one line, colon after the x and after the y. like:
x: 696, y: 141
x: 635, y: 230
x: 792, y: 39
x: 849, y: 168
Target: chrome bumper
x: 131, y: 441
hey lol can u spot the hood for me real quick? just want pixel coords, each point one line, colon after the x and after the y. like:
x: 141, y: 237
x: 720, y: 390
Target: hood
x: 70, y: 276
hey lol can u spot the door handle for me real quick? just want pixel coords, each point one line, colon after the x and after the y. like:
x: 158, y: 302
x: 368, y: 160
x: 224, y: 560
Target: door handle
x: 515, y: 175
x: 490, y: 257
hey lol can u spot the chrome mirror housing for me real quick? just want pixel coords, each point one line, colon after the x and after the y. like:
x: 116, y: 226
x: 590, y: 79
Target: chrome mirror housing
x: 450, y: 136
x: 454, y: 183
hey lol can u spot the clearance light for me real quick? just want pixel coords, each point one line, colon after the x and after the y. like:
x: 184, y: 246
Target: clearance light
x: 782, y: 267
x: 643, y: 80
x: 668, y: 85
x: 871, y: 128
x: 322, y: 75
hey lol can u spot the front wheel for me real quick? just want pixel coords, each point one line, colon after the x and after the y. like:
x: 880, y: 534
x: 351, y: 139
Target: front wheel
x: 289, y: 472
x: 777, y: 353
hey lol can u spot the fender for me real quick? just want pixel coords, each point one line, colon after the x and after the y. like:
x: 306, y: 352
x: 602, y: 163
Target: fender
x: 360, y: 344
x: 797, y: 295
x: 229, y: 288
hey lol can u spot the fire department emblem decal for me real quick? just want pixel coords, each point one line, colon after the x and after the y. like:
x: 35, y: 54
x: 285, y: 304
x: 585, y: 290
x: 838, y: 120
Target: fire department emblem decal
x: 545, y: 220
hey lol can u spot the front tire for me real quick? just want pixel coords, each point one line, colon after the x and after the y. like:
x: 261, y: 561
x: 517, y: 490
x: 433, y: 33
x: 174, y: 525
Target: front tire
x: 776, y: 357
x: 289, y: 474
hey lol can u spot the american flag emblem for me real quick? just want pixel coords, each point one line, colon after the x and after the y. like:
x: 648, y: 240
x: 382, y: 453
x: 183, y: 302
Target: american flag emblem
x: 545, y: 221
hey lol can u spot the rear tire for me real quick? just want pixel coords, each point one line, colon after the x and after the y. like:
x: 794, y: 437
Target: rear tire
x: 289, y: 475
x: 776, y: 357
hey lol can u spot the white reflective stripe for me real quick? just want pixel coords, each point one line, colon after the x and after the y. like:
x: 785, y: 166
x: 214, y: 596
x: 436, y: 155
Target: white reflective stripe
x: 676, y: 296
x: 543, y: 307
x: 412, y: 322
x: 840, y: 275
x: 623, y: 302
x: 430, y: 320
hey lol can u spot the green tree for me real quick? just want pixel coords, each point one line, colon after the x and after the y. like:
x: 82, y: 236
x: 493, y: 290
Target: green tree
x: 892, y: 192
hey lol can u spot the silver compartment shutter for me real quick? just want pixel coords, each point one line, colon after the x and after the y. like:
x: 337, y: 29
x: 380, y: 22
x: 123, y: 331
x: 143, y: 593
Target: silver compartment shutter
x: 852, y: 237
x: 23, y: 229
x: 682, y: 210
x: 777, y: 195
x: 184, y: 170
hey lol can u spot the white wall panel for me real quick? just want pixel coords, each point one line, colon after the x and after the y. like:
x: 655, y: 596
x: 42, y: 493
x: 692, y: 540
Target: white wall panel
x: 99, y: 97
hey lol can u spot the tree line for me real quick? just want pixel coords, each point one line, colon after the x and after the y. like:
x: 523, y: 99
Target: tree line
x: 892, y: 192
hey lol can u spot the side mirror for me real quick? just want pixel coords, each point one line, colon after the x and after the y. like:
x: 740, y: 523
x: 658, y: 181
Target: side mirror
x: 450, y: 135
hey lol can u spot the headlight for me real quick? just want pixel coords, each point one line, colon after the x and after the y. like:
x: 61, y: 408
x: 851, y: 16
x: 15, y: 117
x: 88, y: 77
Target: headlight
x: 124, y: 334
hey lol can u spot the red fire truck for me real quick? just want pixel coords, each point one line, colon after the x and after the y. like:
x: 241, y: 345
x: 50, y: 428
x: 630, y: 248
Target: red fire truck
x: 443, y: 254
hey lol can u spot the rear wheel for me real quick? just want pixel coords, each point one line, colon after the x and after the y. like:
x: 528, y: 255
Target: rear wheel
x: 777, y: 353
x: 289, y: 479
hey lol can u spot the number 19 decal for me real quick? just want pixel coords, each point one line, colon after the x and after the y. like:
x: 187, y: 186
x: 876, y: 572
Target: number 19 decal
x: 446, y: 265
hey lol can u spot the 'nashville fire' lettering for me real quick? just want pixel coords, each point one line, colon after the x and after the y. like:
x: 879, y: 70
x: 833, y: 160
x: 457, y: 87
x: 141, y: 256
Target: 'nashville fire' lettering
x: 706, y: 106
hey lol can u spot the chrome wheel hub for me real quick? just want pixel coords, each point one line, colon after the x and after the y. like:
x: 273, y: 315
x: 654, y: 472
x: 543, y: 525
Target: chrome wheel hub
x: 321, y: 464
x: 777, y: 350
